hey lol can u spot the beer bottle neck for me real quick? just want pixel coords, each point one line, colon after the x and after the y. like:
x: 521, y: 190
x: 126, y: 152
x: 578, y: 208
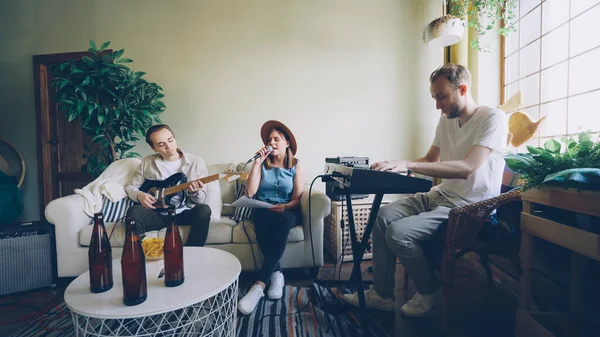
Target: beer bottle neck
x: 131, y: 232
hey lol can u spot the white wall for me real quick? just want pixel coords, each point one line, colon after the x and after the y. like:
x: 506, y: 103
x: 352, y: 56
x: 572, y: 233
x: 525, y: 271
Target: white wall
x: 348, y: 77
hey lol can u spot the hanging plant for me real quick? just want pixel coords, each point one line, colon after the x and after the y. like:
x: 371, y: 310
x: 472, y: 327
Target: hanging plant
x: 444, y: 31
x: 114, y: 104
x: 483, y: 15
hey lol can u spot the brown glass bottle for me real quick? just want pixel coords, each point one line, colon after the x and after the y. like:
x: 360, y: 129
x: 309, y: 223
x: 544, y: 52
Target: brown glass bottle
x: 100, y: 257
x: 173, y: 249
x: 133, y: 267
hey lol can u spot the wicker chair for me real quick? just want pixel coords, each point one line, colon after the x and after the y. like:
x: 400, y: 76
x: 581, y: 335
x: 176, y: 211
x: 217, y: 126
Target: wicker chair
x: 469, y: 229
x: 467, y: 232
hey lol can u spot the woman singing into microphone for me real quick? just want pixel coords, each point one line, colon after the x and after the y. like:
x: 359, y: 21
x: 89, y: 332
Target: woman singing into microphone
x: 277, y: 178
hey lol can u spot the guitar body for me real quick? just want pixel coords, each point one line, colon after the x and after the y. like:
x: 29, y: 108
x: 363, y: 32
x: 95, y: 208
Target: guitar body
x: 154, y: 187
x: 164, y: 190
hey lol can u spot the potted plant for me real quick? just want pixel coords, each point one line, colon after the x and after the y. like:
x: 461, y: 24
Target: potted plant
x: 114, y: 104
x: 576, y: 166
x: 483, y: 15
x: 444, y: 31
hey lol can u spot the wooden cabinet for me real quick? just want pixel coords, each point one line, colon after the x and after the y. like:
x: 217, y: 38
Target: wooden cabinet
x: 580, y: 242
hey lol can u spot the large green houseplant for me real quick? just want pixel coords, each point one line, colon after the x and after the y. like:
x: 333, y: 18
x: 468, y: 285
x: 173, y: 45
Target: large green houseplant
x: 114, y: 104
x: 576, y: 165
x: 482, y: 15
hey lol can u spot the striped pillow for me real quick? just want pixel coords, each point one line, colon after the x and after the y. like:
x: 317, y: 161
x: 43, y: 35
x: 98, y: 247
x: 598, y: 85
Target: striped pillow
x: 241, y: 213
x: 115, y: 211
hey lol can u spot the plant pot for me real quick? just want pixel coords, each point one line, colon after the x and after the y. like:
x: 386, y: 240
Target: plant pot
x: 444, y: 31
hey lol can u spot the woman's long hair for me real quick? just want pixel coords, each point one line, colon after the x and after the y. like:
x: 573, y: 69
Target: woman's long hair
x: 289, y: 161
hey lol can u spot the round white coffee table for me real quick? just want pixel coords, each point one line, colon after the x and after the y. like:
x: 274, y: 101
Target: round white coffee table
x: 204, y: 305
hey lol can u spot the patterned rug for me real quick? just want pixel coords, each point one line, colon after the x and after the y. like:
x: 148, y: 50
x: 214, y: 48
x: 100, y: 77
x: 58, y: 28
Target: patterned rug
x: 297, y: 314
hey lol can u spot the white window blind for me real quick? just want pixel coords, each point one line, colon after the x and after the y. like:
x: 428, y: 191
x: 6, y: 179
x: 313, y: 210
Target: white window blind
x: 553, y: 57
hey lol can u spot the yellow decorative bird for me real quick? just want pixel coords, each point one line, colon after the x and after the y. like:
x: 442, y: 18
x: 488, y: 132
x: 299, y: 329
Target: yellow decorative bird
x: 520, y: 126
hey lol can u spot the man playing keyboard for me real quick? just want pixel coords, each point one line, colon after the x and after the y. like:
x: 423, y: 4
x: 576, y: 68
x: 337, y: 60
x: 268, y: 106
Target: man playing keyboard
x: 467, y: 154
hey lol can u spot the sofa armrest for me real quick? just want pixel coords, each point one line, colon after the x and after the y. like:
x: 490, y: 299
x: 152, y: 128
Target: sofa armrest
x: 320, y: 207
x: 68, y: 218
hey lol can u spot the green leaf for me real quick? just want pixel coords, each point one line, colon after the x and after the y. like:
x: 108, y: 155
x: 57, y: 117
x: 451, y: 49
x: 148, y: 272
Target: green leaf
x: 118, y: 54
x: 552, y: 146
x: 588, y: 178
x: 518, y: 162
x: 104, y: 45
x: 545, y: 158
x: 63, y: 84
x: 124, y: 60
x: 536, y: 150
x: 86, y: 81
x: 100, y: 119
x: 97, y: 137
x: 584, y: 137
x: 571, y: 146
x: 93, y: 46
x: 80, y: 106
x: 72, y: 117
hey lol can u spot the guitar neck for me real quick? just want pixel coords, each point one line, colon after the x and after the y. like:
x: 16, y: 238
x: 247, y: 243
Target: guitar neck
x: 185, y: 186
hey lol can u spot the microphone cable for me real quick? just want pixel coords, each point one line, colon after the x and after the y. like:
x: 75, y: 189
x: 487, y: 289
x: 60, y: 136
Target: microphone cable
x: 244, y: 224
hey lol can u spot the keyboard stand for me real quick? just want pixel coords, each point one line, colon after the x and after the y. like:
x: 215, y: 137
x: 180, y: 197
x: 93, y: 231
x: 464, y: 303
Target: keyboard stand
x: 358, y: 251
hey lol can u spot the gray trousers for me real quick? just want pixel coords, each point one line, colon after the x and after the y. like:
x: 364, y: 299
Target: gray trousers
x: 399, y: 230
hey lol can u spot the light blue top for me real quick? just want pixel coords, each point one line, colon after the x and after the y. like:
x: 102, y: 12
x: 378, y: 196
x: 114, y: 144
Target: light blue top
x: 276, y: 185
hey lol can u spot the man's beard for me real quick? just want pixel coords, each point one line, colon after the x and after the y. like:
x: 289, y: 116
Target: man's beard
x: 454, y: 112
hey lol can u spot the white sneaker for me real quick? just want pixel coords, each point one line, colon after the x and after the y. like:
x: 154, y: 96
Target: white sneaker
x: 276, y: 288
x: 421, y: 304
x: 247, y: 304
x: 372, y: 300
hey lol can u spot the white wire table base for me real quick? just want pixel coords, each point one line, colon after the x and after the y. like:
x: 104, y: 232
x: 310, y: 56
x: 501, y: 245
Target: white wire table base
x: 215, y: 316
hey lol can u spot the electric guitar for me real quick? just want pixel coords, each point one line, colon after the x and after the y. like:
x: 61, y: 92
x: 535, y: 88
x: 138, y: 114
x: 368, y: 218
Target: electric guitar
x: 164, y: 190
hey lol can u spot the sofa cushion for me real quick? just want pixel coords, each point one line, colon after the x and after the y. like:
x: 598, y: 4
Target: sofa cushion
x: 239, y: 236
x: 219, y: 232
x: 227, y: 190
x: 114, y: 211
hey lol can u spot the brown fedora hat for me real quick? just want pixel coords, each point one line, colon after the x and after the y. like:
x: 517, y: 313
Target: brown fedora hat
x: 266, y: 129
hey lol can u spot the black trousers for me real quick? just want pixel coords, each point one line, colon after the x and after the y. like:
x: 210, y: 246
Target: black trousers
x: 272, y: 229
x: 151, y: 220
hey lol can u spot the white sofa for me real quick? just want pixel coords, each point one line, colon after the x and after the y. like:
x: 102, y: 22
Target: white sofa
x: 73, y: 232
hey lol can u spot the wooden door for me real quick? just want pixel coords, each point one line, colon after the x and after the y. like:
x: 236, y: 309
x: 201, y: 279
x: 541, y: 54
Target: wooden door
x: 61, y: 145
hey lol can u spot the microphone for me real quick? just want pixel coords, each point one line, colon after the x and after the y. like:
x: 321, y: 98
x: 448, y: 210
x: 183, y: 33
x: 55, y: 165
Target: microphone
x: 257, y: 155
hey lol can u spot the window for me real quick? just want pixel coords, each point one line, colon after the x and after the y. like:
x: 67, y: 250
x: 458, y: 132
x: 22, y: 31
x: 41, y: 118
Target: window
x: 553, y: 57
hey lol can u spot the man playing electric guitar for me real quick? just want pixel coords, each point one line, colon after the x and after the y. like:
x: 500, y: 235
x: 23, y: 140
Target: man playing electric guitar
x: 190, y: 205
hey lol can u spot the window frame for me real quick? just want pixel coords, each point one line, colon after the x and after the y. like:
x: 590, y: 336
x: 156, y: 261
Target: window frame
x: 504, y: 57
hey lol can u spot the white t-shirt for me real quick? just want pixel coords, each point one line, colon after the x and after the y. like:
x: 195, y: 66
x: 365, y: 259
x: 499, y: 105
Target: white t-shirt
x: 169, y: 168
x: 487, y: 127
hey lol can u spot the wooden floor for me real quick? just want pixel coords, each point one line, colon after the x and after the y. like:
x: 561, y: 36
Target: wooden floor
x: 472, y: 312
